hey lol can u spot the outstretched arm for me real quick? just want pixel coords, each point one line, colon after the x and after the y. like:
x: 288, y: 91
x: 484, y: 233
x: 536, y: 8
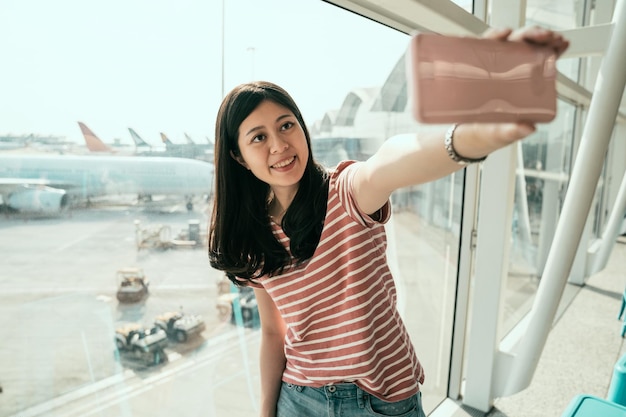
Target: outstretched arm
x: 418, y: 158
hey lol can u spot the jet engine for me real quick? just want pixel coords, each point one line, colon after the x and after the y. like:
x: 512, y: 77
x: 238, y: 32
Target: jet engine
x: 37, y: 199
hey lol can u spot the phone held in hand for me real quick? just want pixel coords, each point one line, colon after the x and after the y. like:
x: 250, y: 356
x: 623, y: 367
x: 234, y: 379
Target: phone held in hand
x: 456, y: 79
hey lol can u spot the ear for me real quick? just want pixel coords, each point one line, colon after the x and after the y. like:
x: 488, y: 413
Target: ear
x: 239, y: 159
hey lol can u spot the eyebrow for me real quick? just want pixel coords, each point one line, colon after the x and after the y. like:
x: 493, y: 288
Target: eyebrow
x: 278, y: 119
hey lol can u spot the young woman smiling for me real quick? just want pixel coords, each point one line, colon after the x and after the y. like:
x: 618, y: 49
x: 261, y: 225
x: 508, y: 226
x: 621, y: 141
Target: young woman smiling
x: 312, y: 243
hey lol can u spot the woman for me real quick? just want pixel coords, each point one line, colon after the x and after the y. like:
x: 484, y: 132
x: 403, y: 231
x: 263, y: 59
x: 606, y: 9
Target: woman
x: 311, y: 243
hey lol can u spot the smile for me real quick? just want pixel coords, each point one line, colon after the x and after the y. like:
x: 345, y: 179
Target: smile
x: 284, y: 163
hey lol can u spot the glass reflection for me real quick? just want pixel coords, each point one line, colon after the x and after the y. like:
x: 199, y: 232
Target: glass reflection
x: 58, y: 294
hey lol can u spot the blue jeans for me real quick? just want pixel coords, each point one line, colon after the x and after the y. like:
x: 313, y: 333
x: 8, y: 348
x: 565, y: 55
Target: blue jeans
x: 341, y: 400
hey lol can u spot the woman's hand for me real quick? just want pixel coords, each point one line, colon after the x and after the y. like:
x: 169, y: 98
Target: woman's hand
x: 532, y: 34
x: 416, y: 159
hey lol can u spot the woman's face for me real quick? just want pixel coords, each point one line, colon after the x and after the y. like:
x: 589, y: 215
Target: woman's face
x: 273, y: 146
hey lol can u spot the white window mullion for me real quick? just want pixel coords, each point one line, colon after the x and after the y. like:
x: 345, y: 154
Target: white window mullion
x: 492, y: 252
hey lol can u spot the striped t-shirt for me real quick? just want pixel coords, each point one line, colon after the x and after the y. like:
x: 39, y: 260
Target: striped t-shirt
x: 340, y: 306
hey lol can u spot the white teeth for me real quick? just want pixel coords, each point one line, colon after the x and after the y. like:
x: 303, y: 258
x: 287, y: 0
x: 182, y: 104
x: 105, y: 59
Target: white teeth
x: 283, y: 163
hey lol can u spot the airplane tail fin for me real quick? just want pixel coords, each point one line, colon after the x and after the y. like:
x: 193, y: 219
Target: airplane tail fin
x: 137, y: 139
x: 165, y: 139
x: 189, y: 140
x: 94, y: 144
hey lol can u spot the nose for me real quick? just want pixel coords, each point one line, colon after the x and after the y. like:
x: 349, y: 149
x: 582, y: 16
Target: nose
x: 278, y: 144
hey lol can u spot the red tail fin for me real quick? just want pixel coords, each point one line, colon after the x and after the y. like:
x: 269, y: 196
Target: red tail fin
x: 94, y: 144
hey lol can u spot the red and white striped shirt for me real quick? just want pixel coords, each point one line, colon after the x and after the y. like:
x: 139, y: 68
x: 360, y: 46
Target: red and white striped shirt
x: 340, y: 306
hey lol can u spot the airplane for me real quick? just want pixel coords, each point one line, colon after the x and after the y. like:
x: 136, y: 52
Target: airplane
x: 138, y: 140
x: 166, y: 140
x: 143, y: 148
x: 95, y: 144
x: 189, y: 149
x: 50, y: 183
x: 189, y: 140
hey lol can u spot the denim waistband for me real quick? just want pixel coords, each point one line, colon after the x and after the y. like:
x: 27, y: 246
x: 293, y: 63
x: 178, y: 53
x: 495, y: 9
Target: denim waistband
x: 342, y: 390
x: 341, y: 399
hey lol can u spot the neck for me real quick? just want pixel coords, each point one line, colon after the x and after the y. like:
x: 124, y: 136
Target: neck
x: 276, y: 209
x: 280, y: 200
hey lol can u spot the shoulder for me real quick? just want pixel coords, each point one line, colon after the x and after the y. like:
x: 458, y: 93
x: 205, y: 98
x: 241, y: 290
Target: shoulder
x: 341, y: 185
x: 342, y: 166
x: 343, y: 172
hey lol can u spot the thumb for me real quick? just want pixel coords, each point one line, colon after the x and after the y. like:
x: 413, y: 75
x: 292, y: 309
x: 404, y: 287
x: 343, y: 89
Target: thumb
x: 517, y: 131
x: 500, y: 34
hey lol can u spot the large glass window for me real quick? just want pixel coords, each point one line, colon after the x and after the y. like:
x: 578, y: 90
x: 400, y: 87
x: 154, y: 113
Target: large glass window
x: 559, y: 15
x: 546, y: 158
x: 540, y: 188
x: 90, y: 275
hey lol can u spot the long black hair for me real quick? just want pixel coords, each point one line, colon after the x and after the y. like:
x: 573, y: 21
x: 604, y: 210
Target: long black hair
x: 241, y: 241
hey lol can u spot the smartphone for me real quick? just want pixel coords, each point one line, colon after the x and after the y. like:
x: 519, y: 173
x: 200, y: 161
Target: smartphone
x: 458, y: 79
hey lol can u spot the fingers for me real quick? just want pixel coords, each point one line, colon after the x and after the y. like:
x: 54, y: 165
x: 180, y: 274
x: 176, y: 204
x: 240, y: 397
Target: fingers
x: 521, y: 130
x: 541, y: 36
x: 506, y: 133
x: 532, y: 34
x: 477, y: 139
x: 559, y: 44
x: 502, y: 134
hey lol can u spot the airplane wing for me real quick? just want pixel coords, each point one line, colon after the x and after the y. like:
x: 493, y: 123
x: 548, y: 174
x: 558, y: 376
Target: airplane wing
x: 8, y: 183
x: 11, y: 183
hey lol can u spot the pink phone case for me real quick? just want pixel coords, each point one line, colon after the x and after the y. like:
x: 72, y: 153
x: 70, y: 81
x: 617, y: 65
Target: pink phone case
x: 454, y: 79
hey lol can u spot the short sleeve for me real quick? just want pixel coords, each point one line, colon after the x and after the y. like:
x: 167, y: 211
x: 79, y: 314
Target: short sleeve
x: 341, y: 182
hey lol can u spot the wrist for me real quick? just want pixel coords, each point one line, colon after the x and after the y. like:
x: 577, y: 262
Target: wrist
x: 451, y: 147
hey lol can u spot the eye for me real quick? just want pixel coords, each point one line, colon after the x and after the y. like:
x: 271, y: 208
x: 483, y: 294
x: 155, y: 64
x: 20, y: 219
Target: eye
x: 257, y: 138
x: 287, y: 126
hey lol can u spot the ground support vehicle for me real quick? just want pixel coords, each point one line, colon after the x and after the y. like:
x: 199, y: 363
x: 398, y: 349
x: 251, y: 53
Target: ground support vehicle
x: 159, y: 237
x: 132, y: 285
x: 241, y: 306
x: 180, y: 326
x: 145, y: 345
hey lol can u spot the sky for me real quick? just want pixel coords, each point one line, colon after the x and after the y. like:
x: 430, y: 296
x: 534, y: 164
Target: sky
x: 156, y: 65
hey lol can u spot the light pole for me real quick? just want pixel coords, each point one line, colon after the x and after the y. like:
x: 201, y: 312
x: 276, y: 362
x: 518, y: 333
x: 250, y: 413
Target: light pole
x: 223, y: 44
x: 252, y: 50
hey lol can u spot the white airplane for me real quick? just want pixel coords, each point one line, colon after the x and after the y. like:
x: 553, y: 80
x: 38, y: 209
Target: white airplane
x: 49, y: 183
